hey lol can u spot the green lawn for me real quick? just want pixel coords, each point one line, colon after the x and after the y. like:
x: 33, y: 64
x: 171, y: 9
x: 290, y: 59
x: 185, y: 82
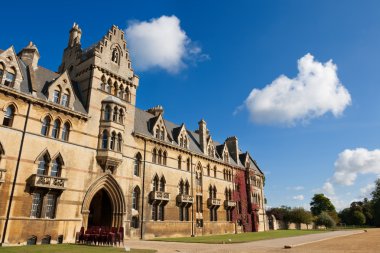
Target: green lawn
x: 68, y: 248
x: 243, y: 237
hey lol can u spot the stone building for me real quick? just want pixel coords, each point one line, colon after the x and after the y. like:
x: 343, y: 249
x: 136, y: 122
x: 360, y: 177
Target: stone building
x: 75, y: 151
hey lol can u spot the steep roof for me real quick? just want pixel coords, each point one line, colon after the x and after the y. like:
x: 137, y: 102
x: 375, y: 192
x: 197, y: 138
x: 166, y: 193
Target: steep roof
x: 143, y: 121
x: 40, y: 79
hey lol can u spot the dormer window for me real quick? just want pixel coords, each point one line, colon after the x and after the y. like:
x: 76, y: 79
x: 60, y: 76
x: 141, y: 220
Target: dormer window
x: 56, y: 95
x: 65, y: 99
x: 211, y: 150
x: 10, y: 77
x: 162, y: 134
x: 226, y: 157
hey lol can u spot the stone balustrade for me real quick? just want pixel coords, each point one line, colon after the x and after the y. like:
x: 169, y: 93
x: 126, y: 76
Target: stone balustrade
x: 50, y: 182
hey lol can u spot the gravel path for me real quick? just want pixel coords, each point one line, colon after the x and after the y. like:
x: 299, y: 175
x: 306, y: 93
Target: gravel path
x: 258, y: 246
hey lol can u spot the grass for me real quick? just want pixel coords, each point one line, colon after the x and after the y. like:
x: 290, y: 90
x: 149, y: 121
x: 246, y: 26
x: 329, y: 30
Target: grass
x: 68, y: 248
x: 243, y: 237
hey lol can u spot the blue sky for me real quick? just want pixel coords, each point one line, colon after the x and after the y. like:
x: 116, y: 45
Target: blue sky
x: 227, y: 49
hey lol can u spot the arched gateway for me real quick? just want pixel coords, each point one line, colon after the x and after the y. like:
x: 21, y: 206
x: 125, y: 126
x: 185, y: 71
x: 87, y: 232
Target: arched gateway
x: 104, y: 203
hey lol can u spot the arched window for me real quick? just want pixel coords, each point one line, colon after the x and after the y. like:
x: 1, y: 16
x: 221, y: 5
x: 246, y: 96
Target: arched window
x: 160, y: 156
x: 157, y: 132
x: 162, y: 133
x: 154, y: 156
x: 162, y: 184
x: 105, y: 140
x: 9, y: 116
x: 179, y: 162
x: 107, y: 113
x: 165, y: 157
x: 113, y: 141
x: 103, y: 83
x: 109, y: 85
x: 115, y: 56
x: 43, y: 165
x: 10, y: 77
x: 210, y: 194
x: 119, y: 142
x: 115, y: 113
x: 188, y: 164
x: 155, y: 183
x: 45, y: 126
x: 214, y: 192
x: 1, y: 72
x: 56, y: 96
x: 56, y: 168
x: 208, y: 169
x: 116, y: 89
x: 136, y: 198
x: 65, y: 98
x: 215, y: 171
x: 180, y: 187
x: 127, y: 95
x: 121, y: 92
x: 56, y: 129
x: 187, y: 188
x: 66, y: 131
x: 137, y: 165
x: 185, y: 142
x: 121, y: 116
x: 181, y: 141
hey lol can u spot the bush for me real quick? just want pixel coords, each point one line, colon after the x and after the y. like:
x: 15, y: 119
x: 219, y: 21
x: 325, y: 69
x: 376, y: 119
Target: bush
x: 325, y: 220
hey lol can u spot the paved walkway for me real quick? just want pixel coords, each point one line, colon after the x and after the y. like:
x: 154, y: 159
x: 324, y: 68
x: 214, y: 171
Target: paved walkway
x: 256, y: 246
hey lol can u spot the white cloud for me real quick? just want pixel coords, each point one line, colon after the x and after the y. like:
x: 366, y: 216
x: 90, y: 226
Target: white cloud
x: 315, y: 91
x: 161, y: 43
x: 328, y: 188
x: 299, y: 197
x: 352, y: 162
x: 367, y: 190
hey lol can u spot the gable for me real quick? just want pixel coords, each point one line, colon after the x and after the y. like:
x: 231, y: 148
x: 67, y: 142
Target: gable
x: 64, y: 86
x: 11, y: 64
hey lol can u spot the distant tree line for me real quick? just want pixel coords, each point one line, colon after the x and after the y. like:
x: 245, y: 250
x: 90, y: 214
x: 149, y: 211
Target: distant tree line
x: 366, y: 212
x: 323, y: 213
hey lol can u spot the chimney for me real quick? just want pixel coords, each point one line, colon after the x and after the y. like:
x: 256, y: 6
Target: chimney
x: 233, y: 147
x: 203, y: 133
x: 157, y: 110
x: 30, y: 55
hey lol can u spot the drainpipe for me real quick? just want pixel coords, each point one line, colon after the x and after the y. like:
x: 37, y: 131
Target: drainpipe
x: 192, y: 188
x: 143, y: 194
x: 15, y: 177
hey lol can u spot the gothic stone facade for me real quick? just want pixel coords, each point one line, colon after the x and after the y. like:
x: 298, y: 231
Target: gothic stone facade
x: 75, y: 151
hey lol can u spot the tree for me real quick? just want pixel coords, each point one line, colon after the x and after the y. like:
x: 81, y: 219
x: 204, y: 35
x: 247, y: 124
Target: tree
x: 376, y: 203
x: 358, y: 218
x: 320, y: 203
x: 325, y: 220
x: 300, y: 215
x: 279, y: 212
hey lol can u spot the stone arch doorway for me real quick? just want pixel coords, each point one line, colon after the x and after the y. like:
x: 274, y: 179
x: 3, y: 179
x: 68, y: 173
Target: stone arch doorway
x: 104, y: 191
x: 100, y: 210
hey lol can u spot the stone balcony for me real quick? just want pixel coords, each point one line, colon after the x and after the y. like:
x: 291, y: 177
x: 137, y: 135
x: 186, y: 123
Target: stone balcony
x: 213, y: 202
x: 109, y: 159
x: 228, y: 204
x: 185, y: 199
x: 255, y: 206
x: 157, y: 196
x: 49, y: 182
x: 2, y: 175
